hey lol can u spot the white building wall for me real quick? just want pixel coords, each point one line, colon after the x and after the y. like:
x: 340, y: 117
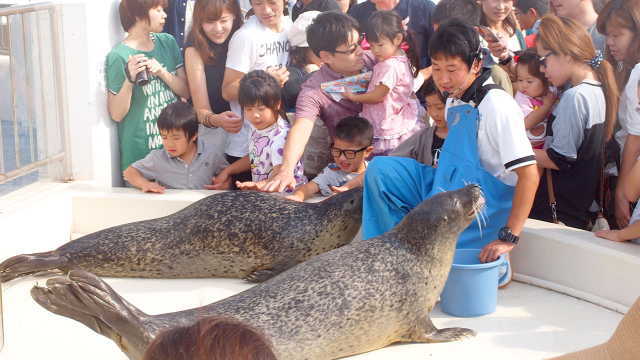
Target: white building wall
x: 90, y: 29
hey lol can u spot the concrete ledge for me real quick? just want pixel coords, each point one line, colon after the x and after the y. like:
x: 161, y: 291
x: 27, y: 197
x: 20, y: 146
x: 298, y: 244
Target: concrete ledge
x: 96, y: 210
x: 559, y: 258
x: 577, y: 263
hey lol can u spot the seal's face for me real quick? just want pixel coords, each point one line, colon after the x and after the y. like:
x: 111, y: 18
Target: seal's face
x: 452, y: 211
x: 353, y: 201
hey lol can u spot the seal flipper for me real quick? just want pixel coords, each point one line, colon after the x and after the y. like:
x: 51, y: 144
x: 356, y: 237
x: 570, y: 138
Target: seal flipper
x: 450, y: 334
x: 261, y: 275
x: 428, y: 333
x: 27, y: 264
x: 60, y: 300
x: 85, y: 298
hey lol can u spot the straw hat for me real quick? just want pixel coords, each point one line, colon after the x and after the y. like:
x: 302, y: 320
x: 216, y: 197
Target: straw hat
x: 623, y: 345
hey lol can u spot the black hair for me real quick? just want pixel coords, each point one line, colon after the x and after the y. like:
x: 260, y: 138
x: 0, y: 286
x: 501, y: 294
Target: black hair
x: 251, y: 12
x: 429, y: 88
x: 541, y: 6
x: 388, y: 24
x: 258, y: 87
x: 330, y: 30
x: 298, y: 56
x: 530, y: 59
x: 179, y: 116
x: 467, y: 11
x: 355, y: 129
x: 454, y: 39
x: 131, y: 11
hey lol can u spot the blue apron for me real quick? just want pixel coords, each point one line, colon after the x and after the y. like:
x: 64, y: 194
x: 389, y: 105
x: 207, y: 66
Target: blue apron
x: 393, y: 186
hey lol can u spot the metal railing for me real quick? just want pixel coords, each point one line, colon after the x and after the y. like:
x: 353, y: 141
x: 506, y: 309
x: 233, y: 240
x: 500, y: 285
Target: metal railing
x: 31, y: 41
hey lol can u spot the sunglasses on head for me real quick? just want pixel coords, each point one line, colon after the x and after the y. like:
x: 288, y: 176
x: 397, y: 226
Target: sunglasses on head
x: 543, y: 59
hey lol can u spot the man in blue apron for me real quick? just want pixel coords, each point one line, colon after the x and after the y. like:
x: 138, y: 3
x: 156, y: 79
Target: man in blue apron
x: 486, y: 145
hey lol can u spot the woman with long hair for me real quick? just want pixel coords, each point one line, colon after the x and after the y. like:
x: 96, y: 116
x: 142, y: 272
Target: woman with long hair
x: 500, y: 18
x: 619, y: 20
x: 214, y: 22
x: 144, y: 74
x: 582, y: 122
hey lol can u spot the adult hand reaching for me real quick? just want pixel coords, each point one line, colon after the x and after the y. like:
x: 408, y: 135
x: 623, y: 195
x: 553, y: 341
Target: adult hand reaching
x: 228, y: 120
x: 282, y: 179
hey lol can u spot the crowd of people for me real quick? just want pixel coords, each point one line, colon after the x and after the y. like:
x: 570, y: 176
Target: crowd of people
x: 537, y: 101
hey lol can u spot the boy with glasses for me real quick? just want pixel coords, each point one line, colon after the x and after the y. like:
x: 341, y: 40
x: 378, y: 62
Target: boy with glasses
x: 351, y: 146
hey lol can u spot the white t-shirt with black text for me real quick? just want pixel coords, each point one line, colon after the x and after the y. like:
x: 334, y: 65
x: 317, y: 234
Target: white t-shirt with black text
x: 503, y: 145
x: 254, y: 47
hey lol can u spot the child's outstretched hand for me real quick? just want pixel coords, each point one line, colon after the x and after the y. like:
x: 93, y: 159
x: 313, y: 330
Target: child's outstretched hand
x: 613, y: 235
x: 249, y: 185
x: 222, y: 181
x: 299, y: 197
x: 351, y: 184
x: 339, y: 189
x: 153, y: 187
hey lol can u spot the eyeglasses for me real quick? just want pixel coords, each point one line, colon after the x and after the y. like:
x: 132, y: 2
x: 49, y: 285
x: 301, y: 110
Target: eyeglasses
x: 352, y: 48
x: 543, y: 59
x: 349, y: 154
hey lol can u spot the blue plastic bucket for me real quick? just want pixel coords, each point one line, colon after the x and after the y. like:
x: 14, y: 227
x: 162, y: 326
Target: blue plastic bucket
x: 472, y: 286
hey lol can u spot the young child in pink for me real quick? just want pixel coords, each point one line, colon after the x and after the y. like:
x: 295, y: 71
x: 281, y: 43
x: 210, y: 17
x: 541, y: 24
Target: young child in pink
x: 388, y: 103
x: 534, y: 97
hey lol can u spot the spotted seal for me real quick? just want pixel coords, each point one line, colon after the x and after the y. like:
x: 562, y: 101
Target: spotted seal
x: 354, y: 299
x: 238, y: 234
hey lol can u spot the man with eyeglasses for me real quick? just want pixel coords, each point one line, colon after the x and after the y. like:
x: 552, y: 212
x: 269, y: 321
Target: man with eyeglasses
x: 335, y: 39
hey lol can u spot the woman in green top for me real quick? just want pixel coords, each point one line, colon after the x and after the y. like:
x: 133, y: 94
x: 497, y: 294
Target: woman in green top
x: 136, y: 107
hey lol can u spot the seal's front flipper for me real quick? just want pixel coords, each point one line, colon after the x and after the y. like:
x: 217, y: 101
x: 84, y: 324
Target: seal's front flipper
x: 450, y: 334
x: 262, y: 275
x: 426, y: 332
x: 27, y: 264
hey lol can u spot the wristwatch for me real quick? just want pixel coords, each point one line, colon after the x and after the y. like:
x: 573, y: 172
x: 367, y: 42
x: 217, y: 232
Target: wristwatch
x: 506, y: 235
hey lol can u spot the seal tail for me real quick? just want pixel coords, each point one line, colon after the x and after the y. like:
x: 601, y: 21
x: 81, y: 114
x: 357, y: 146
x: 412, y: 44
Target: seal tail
x: 27, y: 264
x: 212, y: 337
